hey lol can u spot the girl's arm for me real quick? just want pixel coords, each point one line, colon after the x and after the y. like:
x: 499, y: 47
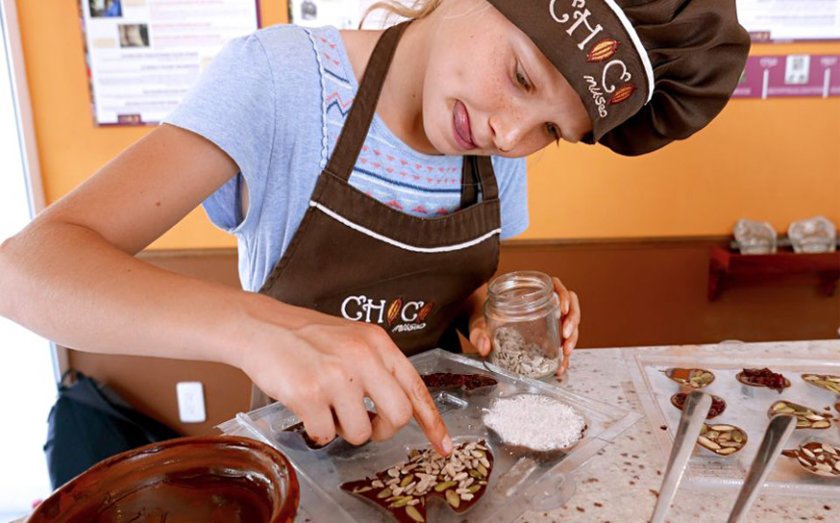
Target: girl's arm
x: 71, y: 276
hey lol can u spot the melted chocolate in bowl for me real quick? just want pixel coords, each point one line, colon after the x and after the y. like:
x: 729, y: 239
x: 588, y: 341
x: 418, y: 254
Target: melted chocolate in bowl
x: 207, y: 479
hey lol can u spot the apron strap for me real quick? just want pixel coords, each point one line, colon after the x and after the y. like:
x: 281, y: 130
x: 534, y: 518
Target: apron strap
x: 477, y: 171
x: 364, y: 105
x: 469, y: 182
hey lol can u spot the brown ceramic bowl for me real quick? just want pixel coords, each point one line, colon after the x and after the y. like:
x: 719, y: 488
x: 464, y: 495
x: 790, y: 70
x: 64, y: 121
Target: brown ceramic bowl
x: 207, y: 479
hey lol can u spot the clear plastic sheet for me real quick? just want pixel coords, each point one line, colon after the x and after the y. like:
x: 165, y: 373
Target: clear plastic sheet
x: 746, y: 407
x: 519, y: 482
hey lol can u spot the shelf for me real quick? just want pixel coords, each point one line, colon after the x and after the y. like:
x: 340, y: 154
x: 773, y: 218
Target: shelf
x: 726, y: 265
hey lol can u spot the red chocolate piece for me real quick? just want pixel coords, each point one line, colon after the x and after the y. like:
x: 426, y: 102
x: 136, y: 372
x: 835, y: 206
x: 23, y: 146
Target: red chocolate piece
x: 448, y: 380
x: 717, y: 408
x: 763, y: 378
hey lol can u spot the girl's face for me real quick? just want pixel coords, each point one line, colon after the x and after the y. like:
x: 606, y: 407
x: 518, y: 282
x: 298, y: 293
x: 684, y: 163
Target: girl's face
x: 488, y: 90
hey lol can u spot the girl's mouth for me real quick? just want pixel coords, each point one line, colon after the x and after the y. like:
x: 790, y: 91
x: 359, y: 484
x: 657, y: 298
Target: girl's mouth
x: 461, y: 127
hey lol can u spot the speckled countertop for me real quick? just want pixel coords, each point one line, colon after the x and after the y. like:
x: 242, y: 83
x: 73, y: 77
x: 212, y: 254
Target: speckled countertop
x: 621, y: 482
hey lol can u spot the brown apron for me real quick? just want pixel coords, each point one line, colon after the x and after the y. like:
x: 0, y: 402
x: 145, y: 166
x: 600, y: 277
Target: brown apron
x: 355, y: 257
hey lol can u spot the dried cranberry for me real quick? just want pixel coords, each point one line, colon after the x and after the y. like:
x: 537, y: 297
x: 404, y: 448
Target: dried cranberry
x: 717, y: 407
x: 765, y: 377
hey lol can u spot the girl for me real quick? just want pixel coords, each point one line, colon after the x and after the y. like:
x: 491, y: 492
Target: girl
x: 368, y: 177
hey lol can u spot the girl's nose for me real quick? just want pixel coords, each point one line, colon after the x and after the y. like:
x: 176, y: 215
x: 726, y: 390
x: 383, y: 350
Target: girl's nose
x: 507, y: 131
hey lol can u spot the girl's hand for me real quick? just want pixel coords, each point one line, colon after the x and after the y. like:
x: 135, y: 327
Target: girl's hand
x: 570, y: 322
x: 569, y: 325
x: 324, y: 368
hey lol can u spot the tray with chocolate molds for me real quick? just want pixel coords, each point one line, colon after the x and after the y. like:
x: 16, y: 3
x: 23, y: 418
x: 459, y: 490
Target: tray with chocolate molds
x: 806, y: 418
x: 334, y: 478
x: 747, y: 407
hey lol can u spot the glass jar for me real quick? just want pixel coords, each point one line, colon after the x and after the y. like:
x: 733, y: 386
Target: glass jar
x: 522, y: 313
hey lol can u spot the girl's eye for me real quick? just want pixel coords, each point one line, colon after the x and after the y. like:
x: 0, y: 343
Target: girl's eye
x: 553, y: 131
x: 520, y: 78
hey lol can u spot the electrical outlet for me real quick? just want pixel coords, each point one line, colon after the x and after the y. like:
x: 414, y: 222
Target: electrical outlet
x: 190, y: 401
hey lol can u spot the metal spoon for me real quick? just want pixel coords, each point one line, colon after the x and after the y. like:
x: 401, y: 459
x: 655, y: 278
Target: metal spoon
x: 778, y: 431
x: 696, y: 407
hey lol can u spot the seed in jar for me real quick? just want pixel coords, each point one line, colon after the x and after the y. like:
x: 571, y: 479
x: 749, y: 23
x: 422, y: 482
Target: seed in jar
x: 693, y: 378
x: 404, y: 490
x: 806, y: 418
x: 512, y: 352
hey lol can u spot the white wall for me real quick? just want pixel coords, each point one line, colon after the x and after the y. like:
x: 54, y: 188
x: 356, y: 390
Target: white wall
x: 27, y: 387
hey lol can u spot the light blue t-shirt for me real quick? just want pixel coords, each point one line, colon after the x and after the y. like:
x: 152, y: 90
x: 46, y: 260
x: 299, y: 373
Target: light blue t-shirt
x: 275, y: 101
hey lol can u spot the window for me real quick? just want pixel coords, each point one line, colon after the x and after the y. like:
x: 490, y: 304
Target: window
x: 27, y: 382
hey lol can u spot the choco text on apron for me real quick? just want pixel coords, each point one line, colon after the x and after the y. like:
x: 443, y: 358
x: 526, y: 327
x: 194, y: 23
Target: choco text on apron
x: 356, y: 257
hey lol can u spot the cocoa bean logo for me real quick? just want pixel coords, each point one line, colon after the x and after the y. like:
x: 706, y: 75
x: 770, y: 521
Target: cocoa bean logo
x: 602, y: 50
x: 394, y: 311
x: 424, y: 311
x: 622, y: 94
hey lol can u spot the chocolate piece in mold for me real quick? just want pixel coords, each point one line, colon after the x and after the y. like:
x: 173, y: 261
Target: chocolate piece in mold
x: 716, y: 409
x: 404, y: 490
x: 722, y: 439
x: 763, y: 378
x: 692, y: 378
x: 806, y: 417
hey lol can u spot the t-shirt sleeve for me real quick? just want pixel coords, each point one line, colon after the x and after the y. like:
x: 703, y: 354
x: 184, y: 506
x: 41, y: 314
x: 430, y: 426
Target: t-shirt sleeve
x: 232, y: 105
x: 513, y: 194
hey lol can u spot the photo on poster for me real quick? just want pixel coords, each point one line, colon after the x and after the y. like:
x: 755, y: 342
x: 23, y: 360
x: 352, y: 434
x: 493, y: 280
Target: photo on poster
x: 143, y: 56
x: 309, y: 10
x: 134, y: 35
x: 797, y: 69
x: 105, y: 8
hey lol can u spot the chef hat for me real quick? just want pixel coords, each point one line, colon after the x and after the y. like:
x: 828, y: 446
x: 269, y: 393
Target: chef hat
x: 648, y: 71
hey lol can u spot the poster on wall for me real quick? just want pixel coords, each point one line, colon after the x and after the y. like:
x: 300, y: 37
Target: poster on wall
x: 343, y: 14
x: 790, y: 76
x: 144, y: 55
x: 790, y: 20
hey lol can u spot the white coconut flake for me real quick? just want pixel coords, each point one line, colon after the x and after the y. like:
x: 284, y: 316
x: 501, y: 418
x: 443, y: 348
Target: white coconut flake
x: 536, y: 422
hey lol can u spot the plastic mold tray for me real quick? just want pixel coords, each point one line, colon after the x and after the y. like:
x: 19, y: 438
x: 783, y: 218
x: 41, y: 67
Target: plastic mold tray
x: 518, y: 482
x: 746, y: 407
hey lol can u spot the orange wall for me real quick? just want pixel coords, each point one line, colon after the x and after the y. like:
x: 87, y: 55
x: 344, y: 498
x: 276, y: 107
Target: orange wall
x: 773, y: 160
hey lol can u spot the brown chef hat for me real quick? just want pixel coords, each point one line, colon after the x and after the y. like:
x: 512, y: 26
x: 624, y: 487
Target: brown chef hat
x: 648, y: 71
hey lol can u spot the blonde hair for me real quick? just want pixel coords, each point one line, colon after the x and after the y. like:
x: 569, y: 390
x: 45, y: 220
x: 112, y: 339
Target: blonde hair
x: 417, y: 10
